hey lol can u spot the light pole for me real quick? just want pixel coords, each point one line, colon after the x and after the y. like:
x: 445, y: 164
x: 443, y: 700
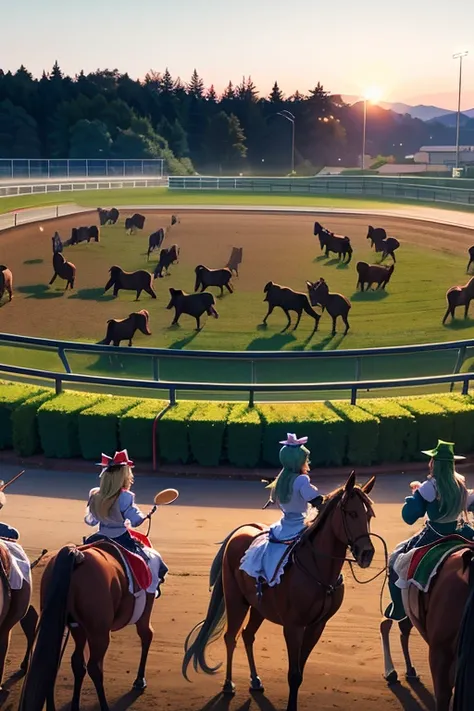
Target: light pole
x: 290, y: 117
x: 364, y: 133
x: 460, y: 56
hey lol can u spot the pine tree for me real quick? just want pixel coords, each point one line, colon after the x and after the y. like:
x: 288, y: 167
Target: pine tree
x: 276, y: 95
x: 56, y: 72
x: 211, y: 95
x: 229, y: 92
x: 196, y: 86
x: 247, y: 91
x: 167, y: 83
x: 297, y: 97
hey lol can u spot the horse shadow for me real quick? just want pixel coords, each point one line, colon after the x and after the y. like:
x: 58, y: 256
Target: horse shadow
x: 459, y: 324
x: 343, y: 265
x: 377, y: 295
x: 40, y: 291
x: 321, y: 258
x: 273, y: 343
x: 424, y: 694
x: 222, y: 703
x: 182, y: 342
x: 409, y: 702
x: 95, y: 294
x: 323, y: 343
x: 33, y: 261
x: 127, y: 700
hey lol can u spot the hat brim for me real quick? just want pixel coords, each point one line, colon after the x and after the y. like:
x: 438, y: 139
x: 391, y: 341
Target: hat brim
x: 114, y: 464
x: 432, y: 453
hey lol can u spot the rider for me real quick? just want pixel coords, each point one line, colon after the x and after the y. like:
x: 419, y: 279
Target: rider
x: 443, y: 497
x: 7, y: 531
x: 112, y: 505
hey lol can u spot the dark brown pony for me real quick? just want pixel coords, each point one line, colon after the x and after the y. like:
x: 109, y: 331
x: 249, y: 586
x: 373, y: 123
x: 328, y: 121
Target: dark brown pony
x: 288, y: 300
x: 382, y: 243
x: 64, y: 270
x: 331, y: 242
x: 471, y: 258
x: 6, y: 282
x: 459, y: 296
x: 335, y: 304
x: 444, y: 616
x: 86, y: 590
x: 309, y: 594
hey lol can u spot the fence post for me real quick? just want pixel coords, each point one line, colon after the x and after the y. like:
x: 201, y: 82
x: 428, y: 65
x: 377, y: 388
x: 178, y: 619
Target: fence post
x: 172, y: 396
x: 252, y: 372
x: 465, y: 386
x: 358, y: 368
x: 57, y: 210
x: 15, y: 218
x: 251, y: 398
x: 353, y: 396
x: 58, y: 385
x: 156, y: 368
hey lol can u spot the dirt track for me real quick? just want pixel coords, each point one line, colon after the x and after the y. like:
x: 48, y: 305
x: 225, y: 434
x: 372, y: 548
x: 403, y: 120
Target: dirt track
x: 345, y: 670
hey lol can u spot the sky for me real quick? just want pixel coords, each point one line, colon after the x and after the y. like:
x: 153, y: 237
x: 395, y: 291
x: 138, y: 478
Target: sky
x: 402, y: 47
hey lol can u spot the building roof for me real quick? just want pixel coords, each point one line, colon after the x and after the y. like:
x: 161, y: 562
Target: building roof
x: 444, y: 149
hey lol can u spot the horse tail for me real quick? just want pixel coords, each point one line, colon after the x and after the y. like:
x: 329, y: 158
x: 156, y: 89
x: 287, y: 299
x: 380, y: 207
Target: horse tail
x: 463, y: 688
x: 41, y: 676
x: 210, y: 629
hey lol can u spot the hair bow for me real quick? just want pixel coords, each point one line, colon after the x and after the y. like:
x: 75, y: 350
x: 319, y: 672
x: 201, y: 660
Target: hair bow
x: 293, y: 441
x: 119, y: 459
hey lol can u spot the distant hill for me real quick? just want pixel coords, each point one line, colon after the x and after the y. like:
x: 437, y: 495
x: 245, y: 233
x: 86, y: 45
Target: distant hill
x: 422, y: 112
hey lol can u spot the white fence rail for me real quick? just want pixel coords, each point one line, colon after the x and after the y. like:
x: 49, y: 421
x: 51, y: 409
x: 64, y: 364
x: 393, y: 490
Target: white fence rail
x: 24, y: 217
x: 27, y: 168
x: 76, y: 185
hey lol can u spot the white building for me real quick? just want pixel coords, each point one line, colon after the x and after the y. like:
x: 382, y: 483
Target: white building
x: 444, y: 155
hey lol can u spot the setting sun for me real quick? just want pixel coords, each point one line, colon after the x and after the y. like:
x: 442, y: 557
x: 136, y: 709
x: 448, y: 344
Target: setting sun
x: 373, y: 94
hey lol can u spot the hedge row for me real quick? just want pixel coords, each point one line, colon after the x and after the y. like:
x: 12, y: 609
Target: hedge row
x: 76, y: 424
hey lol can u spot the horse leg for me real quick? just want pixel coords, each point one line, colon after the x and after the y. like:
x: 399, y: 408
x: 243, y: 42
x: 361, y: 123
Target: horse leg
x: 287, y: 313
x: 270, y: 309
x: 440, y: 664
x: 310, y: 640
x: 294, y: 639
x: 198, y: 323
x: 28, y: 625
x: 449, y: 311
x: 406, y: 627
x: 139, y: 291
x: 5, y: 635
x: 392, y: 254
x: 297, y: 321
x: 229, y: 288
x: 237, y: 608
x: 222, y: 291
x: 145, y: 632
x: 390, y: 675
x: 466, y: 309
x: 53, y: 279
x: 98, y: 646
x: 149, y: 290
x: 78, y: 665
x: 248, y: 636
x: 334, y: 319
x: 346, y: 323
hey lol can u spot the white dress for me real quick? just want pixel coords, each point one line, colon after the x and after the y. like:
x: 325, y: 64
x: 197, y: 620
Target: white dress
x: 262, y: 557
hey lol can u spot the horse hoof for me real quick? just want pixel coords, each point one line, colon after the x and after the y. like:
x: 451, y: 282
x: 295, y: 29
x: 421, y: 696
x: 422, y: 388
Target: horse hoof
x: 256, y: 685
x: 229, y: 688
x: 391, y: 678
x: 412, y: 675
x: 139, y: 684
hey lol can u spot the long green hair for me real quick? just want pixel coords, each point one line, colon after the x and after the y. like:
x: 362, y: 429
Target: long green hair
x: 292, y: 460
x: 451, y: 488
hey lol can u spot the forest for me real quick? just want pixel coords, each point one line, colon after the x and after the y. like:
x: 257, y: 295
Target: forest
x: 106, y: 114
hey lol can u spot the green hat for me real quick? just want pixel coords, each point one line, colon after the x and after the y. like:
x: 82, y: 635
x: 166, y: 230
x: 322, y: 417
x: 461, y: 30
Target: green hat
x: 443, y: 451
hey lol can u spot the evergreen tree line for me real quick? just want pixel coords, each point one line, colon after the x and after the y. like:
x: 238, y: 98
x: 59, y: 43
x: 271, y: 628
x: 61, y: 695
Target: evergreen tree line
x: 106, y: 114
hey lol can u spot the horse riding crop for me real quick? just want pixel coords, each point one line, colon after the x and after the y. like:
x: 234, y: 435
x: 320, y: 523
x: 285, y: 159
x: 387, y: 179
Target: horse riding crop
x: 3, y: 486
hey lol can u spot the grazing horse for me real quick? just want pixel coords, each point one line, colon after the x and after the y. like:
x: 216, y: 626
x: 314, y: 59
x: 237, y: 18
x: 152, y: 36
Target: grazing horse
x: 288, y: 300
x: 471, y: 257
x: 386, y: 245
x: 85, y: 589
x: 235, y: 260
x: 373, y: 274
x: 206, y: 277
x: 168, y: 256
x: 459, y: 296
x: 108, y: 217
x: 6, y: 282
x: 124, y: 329
x: 192, y: 304
x: 333, y: 243
x: 130, y: 281
x: 336, y: 304
x: 155, y: 240
x: 63, y: 270
x: 136, y: 221
x: 311, y: 590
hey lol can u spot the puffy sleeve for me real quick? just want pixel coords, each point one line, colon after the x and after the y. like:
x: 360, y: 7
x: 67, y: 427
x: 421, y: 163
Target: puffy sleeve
x: 90, y: 519
x: 130, y: 510
x: 306, y: 490
x: 414, y: 508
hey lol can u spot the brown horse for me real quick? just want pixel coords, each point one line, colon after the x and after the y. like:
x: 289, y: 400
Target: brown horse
x: 6, y: 282
x: 288, y: 300
x: 310, y: 592
x: 336, y: 304
x: 86, y: 590
x: 64, y: 270
x: 444, y: 616
x: 459, y: 296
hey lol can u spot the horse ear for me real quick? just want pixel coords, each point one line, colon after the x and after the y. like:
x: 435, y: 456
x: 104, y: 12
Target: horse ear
x: 309, y: 284
x: 350, y: 483
x: 369, y: 485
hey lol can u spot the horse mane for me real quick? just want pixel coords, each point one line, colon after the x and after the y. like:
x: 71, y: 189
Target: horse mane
x: 314, y: 525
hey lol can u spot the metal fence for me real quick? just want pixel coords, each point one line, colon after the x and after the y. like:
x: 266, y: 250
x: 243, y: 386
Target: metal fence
x: 70, y: 186
x: 27, y: 168
x: 385, y: 188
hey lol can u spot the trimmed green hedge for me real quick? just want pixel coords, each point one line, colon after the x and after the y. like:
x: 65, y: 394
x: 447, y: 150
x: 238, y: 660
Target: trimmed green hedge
x: 58, y: 423
x: 99, y: 426
x: 327, y: 431
x: 24, y: 420
x: 206, y: 432
x: 460, y: 409
x: 397, y: 438
x: 244, y: 436
x: 11, y: 396
x: 136, y: 428
x: 432, y: 422
x: 362, y: 433
x: 173, y: 433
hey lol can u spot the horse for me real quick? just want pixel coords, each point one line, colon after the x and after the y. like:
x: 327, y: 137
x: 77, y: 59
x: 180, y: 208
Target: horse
x: 333, y: 243
x: 235, y: 260
x: 155, y: 240
x: 168, y: 256
x: 336, y: 304
x: 57, y: 243
x: 124, y: 329
x: 311, y: 590
x: 64, y: 270
x: 86, y: 589
x: 206, y: 277
x: 6, y: 282
x: 288, y: 300
x: 136, y: 221
x: 459, y: 296
x: 449, y: 636
x: 131, y: 281
x: 382, y: 243
x: 471, y: 257
x: 108, y: 217
x: 84, y: 234
x: 373, y: 274
x: 193, y: 305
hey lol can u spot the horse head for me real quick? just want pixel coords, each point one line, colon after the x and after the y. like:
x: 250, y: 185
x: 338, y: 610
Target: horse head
x: 141, y: 321
x: 318, y: 292
x: 352, y: 527
x: 175, y: 294
x: 115, y: 273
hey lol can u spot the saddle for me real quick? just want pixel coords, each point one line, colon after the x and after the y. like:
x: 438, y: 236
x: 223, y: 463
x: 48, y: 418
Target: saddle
x: 420, y: 566
x: 5, y: 565
x: 134, y: 567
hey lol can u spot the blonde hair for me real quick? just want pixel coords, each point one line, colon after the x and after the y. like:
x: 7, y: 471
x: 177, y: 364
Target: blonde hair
x: 112, y: 481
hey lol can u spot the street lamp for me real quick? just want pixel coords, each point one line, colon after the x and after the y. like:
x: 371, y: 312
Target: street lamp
x: 460, y: 56
x: 372, y: 95
x: 290, y: 117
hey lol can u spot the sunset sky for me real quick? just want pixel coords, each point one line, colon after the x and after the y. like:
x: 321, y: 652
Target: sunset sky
x: 404, y: 47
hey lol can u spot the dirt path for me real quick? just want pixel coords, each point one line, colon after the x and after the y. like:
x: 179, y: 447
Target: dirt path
x: 345, y: 670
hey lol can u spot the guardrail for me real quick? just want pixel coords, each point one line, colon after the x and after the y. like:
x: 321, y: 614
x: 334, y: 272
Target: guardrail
x: 387, y: 188
x: 38, y: 214
x: 62, y: 186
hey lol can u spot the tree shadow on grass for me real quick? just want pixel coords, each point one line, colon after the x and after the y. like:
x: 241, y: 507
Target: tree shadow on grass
x: 40, y: 291
x: 96, y: 294
x: 378, y: 295
x: 33, y: 261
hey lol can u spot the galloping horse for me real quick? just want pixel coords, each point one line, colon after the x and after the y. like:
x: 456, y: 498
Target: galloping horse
x: 310, y: 592
x: 86, y: 589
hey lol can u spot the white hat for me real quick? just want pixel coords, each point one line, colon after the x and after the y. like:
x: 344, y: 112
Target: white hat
x: 293, y: 441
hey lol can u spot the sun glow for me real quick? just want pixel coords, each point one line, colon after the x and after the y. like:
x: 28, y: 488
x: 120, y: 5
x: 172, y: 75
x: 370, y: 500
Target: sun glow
x: 373, y: 94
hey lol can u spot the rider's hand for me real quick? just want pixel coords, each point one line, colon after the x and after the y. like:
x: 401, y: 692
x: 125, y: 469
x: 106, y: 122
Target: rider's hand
x: 414, y: 485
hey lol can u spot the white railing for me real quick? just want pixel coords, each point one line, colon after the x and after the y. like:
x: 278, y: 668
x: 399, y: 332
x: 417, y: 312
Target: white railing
x: 13, y: 169
x: 38, y: 214
x: 62, y: 186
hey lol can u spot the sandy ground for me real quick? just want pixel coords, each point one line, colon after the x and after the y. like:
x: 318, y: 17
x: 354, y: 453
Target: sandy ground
x: 345, y: 670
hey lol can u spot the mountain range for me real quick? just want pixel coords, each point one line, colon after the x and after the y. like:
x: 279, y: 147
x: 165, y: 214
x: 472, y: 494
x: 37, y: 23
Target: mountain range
x: 428, y: 114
